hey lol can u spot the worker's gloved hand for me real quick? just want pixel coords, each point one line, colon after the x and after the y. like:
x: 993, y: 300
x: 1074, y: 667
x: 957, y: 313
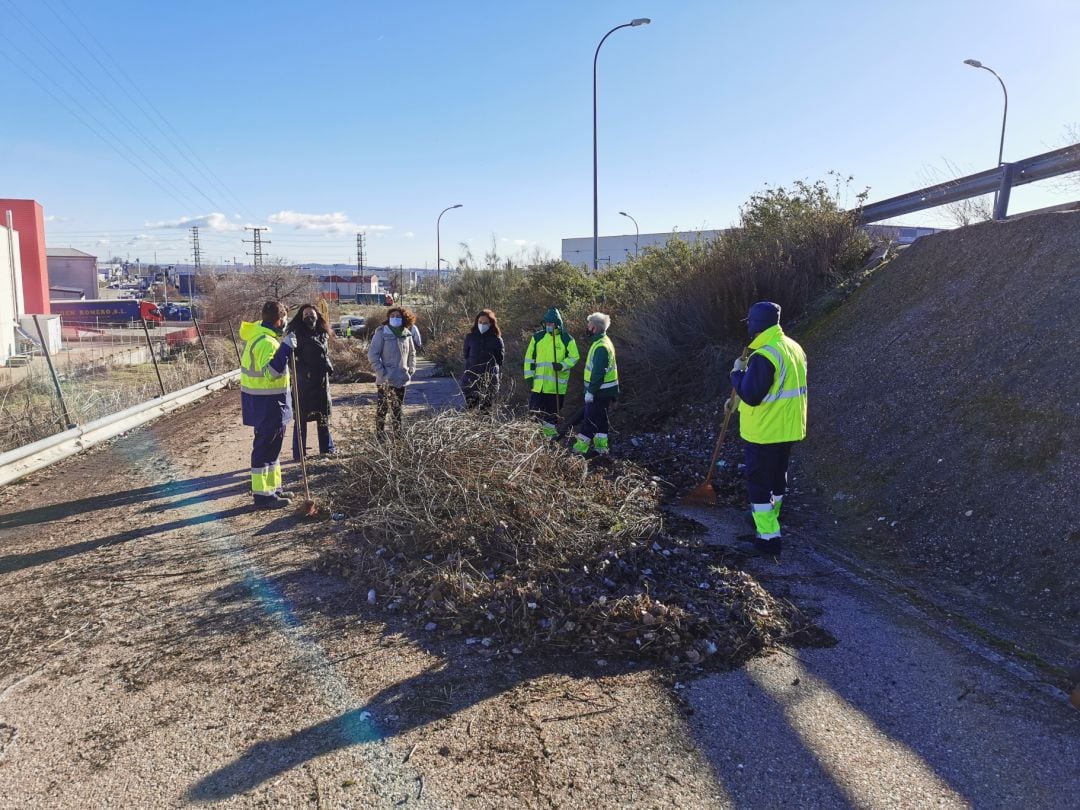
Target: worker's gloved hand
x: 557, y: 366
x: 740, y: 365
x: 589, y: 396
x: 290, y: 340
x: 728, y: 405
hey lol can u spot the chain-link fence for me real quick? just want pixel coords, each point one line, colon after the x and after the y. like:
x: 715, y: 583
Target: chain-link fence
x: 103, y: 369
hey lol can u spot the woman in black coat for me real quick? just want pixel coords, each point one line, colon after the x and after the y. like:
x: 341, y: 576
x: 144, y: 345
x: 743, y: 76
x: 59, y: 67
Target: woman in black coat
x: 313, y: 369
x: 483, y: 359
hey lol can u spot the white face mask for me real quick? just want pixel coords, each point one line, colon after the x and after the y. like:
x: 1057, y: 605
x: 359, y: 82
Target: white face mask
x: 483, y: 327
x: 395, y: 322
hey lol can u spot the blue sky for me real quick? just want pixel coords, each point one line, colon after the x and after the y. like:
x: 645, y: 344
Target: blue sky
x: 323, y: 119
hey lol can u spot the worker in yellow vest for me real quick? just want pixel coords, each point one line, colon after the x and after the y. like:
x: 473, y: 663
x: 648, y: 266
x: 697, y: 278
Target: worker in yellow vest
x: 551, y: 353
x: 601, y: 388
x: 264, y: 400
x: 771, y: 385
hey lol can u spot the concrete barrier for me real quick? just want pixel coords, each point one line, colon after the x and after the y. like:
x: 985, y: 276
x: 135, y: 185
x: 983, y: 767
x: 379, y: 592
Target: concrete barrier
x: 14, y: 464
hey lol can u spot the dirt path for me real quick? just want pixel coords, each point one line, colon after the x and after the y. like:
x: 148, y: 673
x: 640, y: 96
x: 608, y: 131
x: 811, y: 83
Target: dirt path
x: 163, y: 646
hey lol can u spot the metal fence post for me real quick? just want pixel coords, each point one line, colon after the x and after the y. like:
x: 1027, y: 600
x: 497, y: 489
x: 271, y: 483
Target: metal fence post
x: 68, y: 424
x: 234, y: 344
x: 150, y: 346
x: 1001, y: 202
x: 202, y: 342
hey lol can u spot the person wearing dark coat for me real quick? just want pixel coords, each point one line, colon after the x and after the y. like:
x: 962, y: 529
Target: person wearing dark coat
x: 313, y: 370
x: 484, y: 353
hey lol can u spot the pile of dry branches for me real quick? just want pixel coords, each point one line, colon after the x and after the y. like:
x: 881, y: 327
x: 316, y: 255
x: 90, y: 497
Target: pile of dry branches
x: 350, y: 360
x: 481, y: 528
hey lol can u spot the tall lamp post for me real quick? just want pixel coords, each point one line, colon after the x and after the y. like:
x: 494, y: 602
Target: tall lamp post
x: 595, y: 205
x: 637, y: 231
x: 438, y: 246
x: 975, y: 63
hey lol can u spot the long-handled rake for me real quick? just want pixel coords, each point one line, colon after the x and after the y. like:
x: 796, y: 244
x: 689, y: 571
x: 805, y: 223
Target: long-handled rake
x: 705, y: 495
x: 308, y: 508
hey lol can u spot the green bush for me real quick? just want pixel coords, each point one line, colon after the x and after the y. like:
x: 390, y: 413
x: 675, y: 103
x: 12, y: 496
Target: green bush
x: 677, y: 310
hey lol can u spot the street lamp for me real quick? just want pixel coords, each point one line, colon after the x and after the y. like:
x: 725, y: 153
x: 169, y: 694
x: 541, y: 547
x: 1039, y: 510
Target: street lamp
x: 438, y: 246
x: 595, y: 205
x: 637, y: 231
x: 975, y: 63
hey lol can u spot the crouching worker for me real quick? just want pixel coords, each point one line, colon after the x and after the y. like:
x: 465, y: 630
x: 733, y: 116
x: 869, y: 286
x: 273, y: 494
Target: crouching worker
x: 771, y: 386
x: 601, y: 387
x: 552, y: 352
x: 264, y: 398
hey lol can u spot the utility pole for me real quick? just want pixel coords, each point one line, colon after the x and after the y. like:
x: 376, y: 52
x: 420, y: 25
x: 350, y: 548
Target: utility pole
x: 361, y: 243
x: 256, y: 243
x: 195, y: 247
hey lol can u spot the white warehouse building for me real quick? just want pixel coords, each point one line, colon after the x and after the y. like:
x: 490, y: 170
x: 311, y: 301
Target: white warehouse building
x: 616, y: 249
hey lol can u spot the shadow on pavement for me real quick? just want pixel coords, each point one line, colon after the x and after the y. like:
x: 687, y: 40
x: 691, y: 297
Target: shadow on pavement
x: 44, y: 514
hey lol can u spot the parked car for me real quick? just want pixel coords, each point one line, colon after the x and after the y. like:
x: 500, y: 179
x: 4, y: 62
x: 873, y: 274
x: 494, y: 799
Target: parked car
x: 175, y: 312
x: 349, y: 326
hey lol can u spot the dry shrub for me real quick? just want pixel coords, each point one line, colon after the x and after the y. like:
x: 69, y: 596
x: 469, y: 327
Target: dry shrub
x: 350, y: 360
x: 240, y: 296
x: 486, y: 530
x: 790, y: 247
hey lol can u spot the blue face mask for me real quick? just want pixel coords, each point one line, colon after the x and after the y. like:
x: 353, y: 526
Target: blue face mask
x: 395, y: 322
x: 550, y: 327
x: 483, y: 327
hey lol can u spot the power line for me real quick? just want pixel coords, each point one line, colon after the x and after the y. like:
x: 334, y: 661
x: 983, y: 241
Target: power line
x: 91, y: 87
x: 159, y: 181
x: 190, y: 156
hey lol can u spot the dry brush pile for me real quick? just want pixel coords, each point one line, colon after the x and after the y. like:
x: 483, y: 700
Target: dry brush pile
x: 481, y: 529
x: 350, y: 360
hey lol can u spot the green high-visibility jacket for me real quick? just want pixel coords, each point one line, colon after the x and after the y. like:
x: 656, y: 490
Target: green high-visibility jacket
x: 545, y: 349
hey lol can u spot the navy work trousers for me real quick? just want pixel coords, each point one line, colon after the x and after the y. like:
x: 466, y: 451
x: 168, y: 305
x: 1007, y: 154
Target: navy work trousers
x: 766, y: 470
x: 265, y: 454
x: 595, y: 418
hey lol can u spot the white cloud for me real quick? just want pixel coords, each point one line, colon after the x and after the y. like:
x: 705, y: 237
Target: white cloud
x: 409, y: 234
x: 211, y: 222
x: 337, y: 222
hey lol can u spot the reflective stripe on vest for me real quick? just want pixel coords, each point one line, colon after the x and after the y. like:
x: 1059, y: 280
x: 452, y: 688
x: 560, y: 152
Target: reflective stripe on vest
x: 781, y: 415
x: 611, y: 374
x: 261, y: 382
x: 540, y: 359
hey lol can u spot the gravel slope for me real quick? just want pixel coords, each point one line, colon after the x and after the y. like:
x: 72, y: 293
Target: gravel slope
x: 945, y: 422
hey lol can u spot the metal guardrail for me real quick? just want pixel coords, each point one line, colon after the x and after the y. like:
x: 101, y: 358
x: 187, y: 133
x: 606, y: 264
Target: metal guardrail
x: 1000, y: 179
x: 14, y: 464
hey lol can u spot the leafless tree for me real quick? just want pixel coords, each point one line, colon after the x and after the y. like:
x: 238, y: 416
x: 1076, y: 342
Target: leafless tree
x: 237, y: 295
x: 961, y: 212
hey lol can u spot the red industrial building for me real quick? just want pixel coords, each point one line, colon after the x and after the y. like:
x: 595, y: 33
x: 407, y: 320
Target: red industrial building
x: 28, y: 218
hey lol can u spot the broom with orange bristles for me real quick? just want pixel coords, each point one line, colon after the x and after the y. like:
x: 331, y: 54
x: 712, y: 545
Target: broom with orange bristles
x: 705, y: 495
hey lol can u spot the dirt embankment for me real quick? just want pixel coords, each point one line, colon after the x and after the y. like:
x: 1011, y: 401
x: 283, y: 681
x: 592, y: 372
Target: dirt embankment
x: 945, y: 423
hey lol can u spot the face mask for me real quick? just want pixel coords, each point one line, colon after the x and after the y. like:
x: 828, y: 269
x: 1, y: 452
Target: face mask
x: 483, y: 327
x: 550, y: 327
x: 395, y: 322
x: 310, y: 322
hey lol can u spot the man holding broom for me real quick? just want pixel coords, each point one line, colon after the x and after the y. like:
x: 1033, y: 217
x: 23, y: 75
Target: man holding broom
x: 771, y: 387
x: 264, y: 399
